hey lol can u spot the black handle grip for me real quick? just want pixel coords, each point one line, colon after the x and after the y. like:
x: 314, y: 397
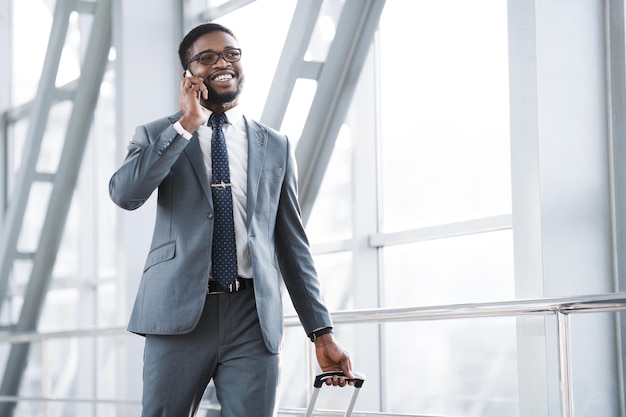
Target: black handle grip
x: 358, y: 378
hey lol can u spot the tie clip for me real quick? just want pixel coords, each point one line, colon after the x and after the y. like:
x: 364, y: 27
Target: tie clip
x: 221, y: 186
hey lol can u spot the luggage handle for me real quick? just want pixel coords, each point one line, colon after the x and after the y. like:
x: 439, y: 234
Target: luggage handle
x: 319, y: 380
x: 358, y: 378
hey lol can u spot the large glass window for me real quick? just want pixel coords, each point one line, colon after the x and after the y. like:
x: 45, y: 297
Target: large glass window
x: 83, y: 290
x: 444, y: 112
x: 445, y: 160
x: 439, y: 91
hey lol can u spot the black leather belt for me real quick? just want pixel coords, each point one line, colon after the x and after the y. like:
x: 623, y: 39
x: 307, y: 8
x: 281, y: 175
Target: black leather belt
x: 238, y: 285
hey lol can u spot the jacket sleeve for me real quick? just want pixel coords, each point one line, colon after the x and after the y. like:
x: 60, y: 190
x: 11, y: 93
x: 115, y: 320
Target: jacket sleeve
x: 295, y: 258
x: 147, y: 163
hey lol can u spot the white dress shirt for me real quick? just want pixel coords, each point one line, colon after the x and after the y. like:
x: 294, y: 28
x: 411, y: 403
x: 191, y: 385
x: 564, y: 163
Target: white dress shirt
x: 237, y: 146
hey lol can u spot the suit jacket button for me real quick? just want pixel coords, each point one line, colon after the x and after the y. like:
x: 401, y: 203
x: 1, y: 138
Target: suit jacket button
x: 209, y: 215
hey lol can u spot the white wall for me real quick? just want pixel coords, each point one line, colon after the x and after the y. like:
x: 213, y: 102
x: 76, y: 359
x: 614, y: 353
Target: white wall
x: 146, y: 38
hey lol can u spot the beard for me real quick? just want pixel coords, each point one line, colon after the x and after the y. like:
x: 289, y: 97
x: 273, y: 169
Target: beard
x: 221, y: 99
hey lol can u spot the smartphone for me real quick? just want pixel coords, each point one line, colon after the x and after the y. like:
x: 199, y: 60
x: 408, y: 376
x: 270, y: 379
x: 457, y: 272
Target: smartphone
x: 188, y: 74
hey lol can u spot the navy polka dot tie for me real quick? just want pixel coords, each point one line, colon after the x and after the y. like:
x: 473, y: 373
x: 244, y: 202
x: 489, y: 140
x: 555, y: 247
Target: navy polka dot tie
x: 224, y: 252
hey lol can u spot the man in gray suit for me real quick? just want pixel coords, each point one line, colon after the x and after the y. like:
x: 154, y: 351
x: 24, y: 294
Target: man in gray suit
x: 202, y: 323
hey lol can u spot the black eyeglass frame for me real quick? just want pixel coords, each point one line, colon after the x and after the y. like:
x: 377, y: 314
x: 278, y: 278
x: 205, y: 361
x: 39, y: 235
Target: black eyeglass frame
x: 219, y: 55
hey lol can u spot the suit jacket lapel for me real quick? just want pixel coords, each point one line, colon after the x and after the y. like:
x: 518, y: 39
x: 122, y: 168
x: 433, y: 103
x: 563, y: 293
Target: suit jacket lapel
x: 194, y: 153
x: 257, y: 145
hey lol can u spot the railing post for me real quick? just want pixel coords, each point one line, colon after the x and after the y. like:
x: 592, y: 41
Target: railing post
x: 46, y: 376
x: 565, y: 365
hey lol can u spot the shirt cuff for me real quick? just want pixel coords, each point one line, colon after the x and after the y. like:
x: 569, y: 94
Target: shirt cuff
x: 181, y: 131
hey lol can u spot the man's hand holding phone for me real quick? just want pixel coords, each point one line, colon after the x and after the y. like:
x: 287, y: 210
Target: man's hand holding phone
x: 192, y: 88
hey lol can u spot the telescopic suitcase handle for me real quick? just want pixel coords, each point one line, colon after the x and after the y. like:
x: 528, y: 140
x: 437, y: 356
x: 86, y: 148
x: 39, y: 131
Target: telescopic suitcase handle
x: 319, y: 381
x: 358, y: 378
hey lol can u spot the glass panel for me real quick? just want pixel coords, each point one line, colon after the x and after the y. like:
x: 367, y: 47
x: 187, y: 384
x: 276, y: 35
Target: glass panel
x: 33, y: 383
x: 121, y: 410
x: 103, y: 156
x: 260, y: 52
x: 12, y: 307
x: 108, y: 310
x: 331, y: 217
x: 69, y: 66
x: 76, y: 249
x: 466, y: 269
x: 38, y: 200
x: 32, y: 21
x: 16, y: 142
x: 324, y: 31
x: 451, y: 367
x: 335, y: 271
x: 30, y: 408
x: 54, y: 137
x: 444, y: 112
x: 296, y: 360
x: 61, y: 311
x: 298, y: 109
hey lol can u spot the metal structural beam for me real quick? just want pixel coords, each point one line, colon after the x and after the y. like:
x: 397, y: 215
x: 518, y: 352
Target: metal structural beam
x: 337, y: 78
x: 196, y: 12
x: 336, y: 84
x: 224, y: 8
x: 616, y: 47
x: 291, y: 65
x: 6, y: 27
x: 63, y: 181
x: 14, y: 218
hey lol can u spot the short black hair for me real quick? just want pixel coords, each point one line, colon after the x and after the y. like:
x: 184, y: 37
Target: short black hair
x: 184, y: 50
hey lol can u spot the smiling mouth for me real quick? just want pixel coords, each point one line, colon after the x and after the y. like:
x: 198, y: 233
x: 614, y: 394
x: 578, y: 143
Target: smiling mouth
x: 222, y: 77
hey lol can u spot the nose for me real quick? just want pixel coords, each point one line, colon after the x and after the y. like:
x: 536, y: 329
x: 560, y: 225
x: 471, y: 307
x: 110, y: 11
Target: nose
x: 220, y: 56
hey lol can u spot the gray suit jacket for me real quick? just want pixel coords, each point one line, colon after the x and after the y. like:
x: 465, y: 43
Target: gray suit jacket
x: 172, y: 291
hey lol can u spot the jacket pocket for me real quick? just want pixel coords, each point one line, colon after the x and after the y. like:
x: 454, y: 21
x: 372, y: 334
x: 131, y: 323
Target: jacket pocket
x: 162, y: 253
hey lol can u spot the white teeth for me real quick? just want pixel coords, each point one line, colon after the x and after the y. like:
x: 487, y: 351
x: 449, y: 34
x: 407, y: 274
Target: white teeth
x: 223, y: 77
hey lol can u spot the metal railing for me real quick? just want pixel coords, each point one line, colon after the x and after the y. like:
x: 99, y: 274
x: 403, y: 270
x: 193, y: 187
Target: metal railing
x: 562, y: 308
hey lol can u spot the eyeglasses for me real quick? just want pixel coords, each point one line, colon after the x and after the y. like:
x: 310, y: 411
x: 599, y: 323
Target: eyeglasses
x: 210, y: 57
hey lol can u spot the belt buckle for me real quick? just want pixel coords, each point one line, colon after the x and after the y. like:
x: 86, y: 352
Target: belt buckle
x: 237, y: 285
x: 232, y: 287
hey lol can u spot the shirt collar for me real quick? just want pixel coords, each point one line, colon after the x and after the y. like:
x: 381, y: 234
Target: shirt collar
x: 235, y: 116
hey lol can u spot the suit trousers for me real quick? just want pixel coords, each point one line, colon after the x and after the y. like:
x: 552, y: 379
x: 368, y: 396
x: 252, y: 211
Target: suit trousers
x: 226, y: 346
